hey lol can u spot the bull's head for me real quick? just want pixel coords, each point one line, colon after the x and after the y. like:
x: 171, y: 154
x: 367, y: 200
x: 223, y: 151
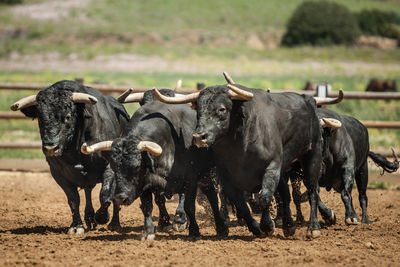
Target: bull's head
x: 131, y: 162
x: 57, y: 113
x: 214, y: 106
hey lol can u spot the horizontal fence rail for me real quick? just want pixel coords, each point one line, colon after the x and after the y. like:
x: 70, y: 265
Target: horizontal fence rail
x: 38, y: 145
x: 382, y: 124
x: 104, y: 88
x: 11, y: 115
x: 108, y: 89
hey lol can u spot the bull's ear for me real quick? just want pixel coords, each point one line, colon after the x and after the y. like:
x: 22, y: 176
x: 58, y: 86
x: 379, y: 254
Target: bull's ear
x: 30, y: 112
x: 149, y: 161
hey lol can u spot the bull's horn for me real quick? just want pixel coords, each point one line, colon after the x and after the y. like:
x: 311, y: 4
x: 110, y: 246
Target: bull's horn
x: 329, y: 100
x: 239, y: 94
x: 331, y: 123
x: 135, y: 97
x: 178, y: 85
x: 228, y: 78
x: 151, y: 147
x: 177, y: 99
x: 394, y: 155
x: 83, y: 98
x: 101, y: 146
x: 124, y: 95
x: 24, y: 103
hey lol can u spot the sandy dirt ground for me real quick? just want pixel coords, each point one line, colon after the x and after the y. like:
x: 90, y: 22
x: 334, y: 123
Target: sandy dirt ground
x: 35, y: 217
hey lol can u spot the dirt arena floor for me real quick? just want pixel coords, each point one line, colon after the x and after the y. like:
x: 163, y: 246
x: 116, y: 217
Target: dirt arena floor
x: 35, y: 217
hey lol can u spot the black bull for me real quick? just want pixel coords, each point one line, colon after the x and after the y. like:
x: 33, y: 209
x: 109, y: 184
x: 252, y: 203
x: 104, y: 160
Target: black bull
x: 345, y: 155
x: 155, y: 154
x: 70, y: 114
x: 254, y: 138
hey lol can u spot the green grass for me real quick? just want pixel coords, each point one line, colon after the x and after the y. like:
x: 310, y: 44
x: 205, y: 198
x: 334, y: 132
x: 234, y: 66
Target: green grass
x: 381, y: 185
x: 109, y: 27
x: 21, y: 154
x: 17, y: 130
x: 180, y: 15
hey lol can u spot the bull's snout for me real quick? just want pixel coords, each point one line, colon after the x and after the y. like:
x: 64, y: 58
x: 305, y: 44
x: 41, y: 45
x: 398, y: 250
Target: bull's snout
x: 200, y: 139
x: 51, y: 150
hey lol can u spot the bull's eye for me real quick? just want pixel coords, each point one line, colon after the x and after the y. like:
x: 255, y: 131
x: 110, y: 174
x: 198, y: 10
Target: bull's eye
x: 67, y: 117
x: 221, y: 110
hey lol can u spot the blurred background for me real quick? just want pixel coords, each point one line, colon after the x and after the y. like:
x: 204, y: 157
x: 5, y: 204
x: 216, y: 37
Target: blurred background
x: 265, y: 44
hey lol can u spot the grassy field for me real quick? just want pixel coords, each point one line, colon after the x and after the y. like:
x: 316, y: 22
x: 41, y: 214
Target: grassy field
x: 196, y: 40
x: 164, y: 28
x: 16, y: 130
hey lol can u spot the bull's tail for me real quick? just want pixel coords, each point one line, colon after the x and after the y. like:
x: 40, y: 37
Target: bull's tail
x: 382, y: 162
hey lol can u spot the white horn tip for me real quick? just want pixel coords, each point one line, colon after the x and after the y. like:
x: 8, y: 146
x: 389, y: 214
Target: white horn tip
x: 178, y: 84
x: 93, y: 100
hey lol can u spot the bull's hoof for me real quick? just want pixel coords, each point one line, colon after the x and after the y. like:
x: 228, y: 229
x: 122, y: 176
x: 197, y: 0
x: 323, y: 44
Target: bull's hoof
x: 331, y: 220
x: 268, y: 227
x: 114, y: 227
x: 194, y: 238
x: 164, y: 228
x: 79, y: 230
x: 180, y: 227
x: 352, y: 221
x: 222, y: 231
x: 290, y: 231
x: 269, y: 233
x: 102, y: 217
x: 147, y: 237
x: 366, y: 221
x: 313, y: 234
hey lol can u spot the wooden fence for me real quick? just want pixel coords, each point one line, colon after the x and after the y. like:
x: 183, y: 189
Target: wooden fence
x: 114, y: 89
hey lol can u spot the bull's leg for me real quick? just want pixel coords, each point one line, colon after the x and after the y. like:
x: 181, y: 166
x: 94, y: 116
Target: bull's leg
x: 362, y: 183
x: 279, y: 209
x: 115, y: 225
x: 327, y: 214
x: 269, y: 185
x: 209, y: 191
x: 147, y: 209
x: 190, y: 209
x: 106, y: 198
x: 224, y: 206
x: 348, y: 176
x: 163, y: 222
x: 237, y: 198
x: 74, y: 202
x: 89, y: 211
x: 254, y: 203
x: 180, y: 220
x: 296, y: 194
x: 288, y: 226
x: 312, y: 166
x: 71, y: 191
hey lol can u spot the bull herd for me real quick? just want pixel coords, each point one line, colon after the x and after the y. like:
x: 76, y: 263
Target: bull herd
x: 248, y: 141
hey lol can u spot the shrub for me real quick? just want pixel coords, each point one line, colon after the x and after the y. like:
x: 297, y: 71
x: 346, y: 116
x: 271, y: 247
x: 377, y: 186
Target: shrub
x: 321, y: 23
x: 11, y: 2
x: 378, y: 22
